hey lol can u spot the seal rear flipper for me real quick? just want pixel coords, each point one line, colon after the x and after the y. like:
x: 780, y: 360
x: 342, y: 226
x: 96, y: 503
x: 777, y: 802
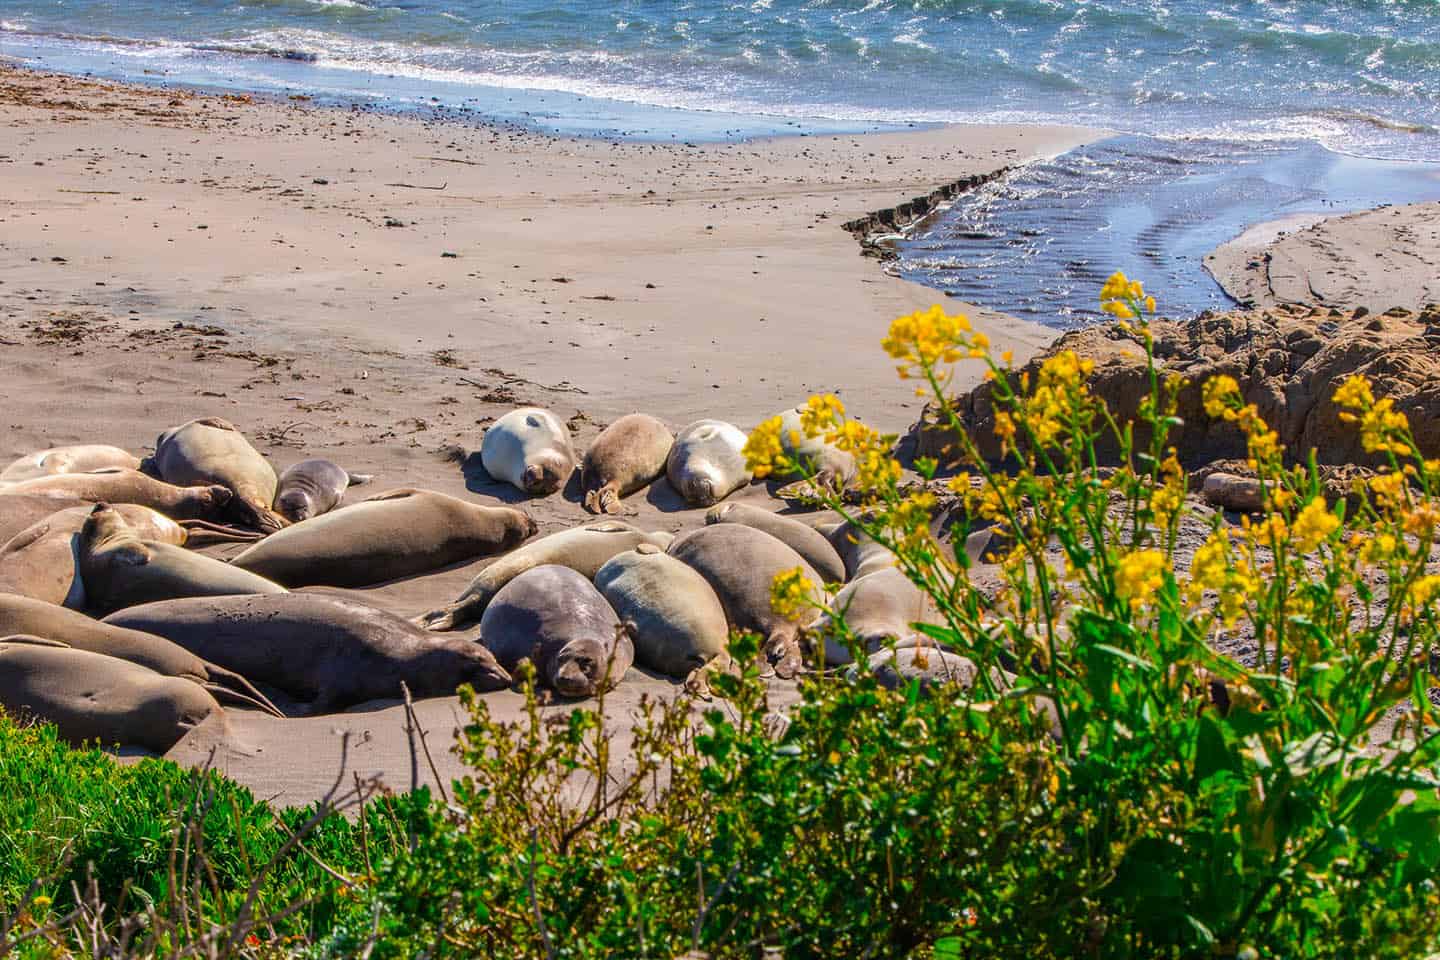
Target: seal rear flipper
x: 227, y: 695
x: 355, y: 479
x: 236, y: 686
x: 201, y: 533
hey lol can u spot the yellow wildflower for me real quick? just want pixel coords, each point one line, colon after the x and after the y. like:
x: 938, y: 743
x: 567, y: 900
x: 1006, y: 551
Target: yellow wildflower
x: 1119, y: 308
x: 1222, y: 396
x: 1424, y: 590
x: 41, y: 902
x: 1314, y: 524
x: 764, y: 450
x: 925, y: 338
x: 821, y: 413
x: 1355, y: 393
x: 1389, y: 489
x: 1139, y: 575
x: 792, y: 593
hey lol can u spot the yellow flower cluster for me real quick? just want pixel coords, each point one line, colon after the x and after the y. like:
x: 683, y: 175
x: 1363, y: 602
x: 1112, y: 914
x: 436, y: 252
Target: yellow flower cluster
x: 926, y: 338
x: 1382, y: 427
x: 1313, y: 525
x: 821, y: 413
x: 765, y: 450
x: 792, y: 593
x: 1139, y: 575
x: 1424, y: 590
x: 1061, y: 396
x: 1124, y: 298
x: 909, y: 520
x: 1212, y: 568
x: 1167, y: 499
x: 1221, y: 395
x: 823, y: 416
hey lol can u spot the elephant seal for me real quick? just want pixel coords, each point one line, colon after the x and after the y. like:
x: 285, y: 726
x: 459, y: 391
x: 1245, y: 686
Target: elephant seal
x: 119, y: 485
x: 212, y: 450
x: 707, y: 463
x: 668, y: 609
x: 42, y: 561
x: 397, y: 534
x: 806, y: 541
x: 327, y: 651
x: 584, y: 549
x: 20, y: 511
x: 862, y: 554
x: 558, y: 619
x: 312, y: 487
x: 119, y: 569
x: 529, y: 449
x: 81, y: 458
x: 932, y: 667
x: 741, y: 563
x: 21, y: 615
x: 879, y: 610
x: 818, y: 463
x: 629, y: 455
x: 91, y: 697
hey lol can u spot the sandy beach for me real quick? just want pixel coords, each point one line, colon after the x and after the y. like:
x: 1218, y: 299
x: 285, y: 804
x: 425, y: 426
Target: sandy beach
x: 376, y: 289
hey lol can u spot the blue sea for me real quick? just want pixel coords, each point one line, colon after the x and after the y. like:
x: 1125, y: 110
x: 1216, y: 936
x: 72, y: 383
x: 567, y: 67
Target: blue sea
x: 1229, y: 112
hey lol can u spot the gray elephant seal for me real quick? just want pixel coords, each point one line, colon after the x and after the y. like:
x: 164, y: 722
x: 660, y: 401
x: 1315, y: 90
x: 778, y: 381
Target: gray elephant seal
x: 880, y: 610
x: 932, y: 667
x: 327, y: 651
x: 529, y: 449
x: 21, y: 615
x: 42, y: 561
x: 312, y: 487
x: 741, y: 563
x: 667, y: 608
x: 558, y: 619
x: 862, y: 554
x: 806, y: 541
x: 584, y: 549
x: 90, y: 697
x: 707, y: 463
x: 629, y: 455
x: 213, y: 450
x: 81, y: 458
x: 397, y: 534
x: 118, y: 485
x: 119, y: 569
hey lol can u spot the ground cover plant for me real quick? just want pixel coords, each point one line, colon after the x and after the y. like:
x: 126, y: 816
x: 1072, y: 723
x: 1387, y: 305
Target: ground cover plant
x: 1109, y: 784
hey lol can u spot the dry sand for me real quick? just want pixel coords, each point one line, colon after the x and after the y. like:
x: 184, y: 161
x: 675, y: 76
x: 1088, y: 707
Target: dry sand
x: 166, y: 255
x: 1378, y: 259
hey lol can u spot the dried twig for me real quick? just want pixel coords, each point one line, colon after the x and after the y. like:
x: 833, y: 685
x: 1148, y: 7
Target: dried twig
x: 413, y: 722
x: 419, y: 186
x: 468, y: 163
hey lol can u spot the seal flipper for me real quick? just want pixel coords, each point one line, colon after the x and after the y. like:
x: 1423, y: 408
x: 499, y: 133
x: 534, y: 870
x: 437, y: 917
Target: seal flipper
x: 782, y: 651
x: 220, y: 692
x: 201, y: 533
x: 237, y: 687
x: 355, y: 479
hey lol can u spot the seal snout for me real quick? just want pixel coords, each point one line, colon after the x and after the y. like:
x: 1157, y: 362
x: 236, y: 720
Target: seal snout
x: 540, y: 479
x: 575, y: 677
x: 293, y: 506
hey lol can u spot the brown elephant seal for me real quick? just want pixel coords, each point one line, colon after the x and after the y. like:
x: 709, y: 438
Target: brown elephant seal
x: 19, y: 512
x: 862, y: 554
x: 119, y: 569
x: 558, y: 619
x: 668, y: 609
x: 326, y: 651
x: 119, y: 485
x: 212, y: 450
x: 80, y: 458
x: 880, y: 610
x: 529, y: 449
x: 741, y: 563
x: 42, y: 561
x: 629, y: 455
x: 804, y: 540
x: 584, y: 549
x: 21, y: 615
x: 707, y: 462
x: 313, y: 487
x: 90, y: 697
x: 397, y: 534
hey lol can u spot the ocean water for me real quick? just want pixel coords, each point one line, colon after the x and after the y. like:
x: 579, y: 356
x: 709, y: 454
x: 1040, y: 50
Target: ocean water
x: 1233, y: 111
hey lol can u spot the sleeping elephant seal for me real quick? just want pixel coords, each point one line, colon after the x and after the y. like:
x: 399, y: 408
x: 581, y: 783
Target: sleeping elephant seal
x: 91, y: 697
x: 215, y: 451
x: 529, y: 449
x: 897, y: 668
x: 669, y: 610
x: 558, y: 619
x: 42, y: 561
x: 707, y: 463
x: 19, y: 512
x: 741, y: 563
x: 863, y: 555
x: 82, y: 458
x: 819, y: 463
x: 118, y: 485
x: 312, y: 487
x: 629, y: 455
x: 396, y: 534
x: 804, y: 540
x: 327, y: 651
x: 880, y: 610
x: 119, y: 569
x: 21, y: 615
x: 584, y: 549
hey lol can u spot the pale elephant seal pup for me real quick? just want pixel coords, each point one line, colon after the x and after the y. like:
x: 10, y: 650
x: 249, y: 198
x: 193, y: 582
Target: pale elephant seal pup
x: 312, y: 487
x: 42, y: 561
x: 90, y: 697
x: 118, y: 485
x: 81, y: 458
x: 629, y: 455
x: 396, y: 534
x: 806, y: 541
x: 584, y: 549
x: 327, y: 651
x: 529, y: 449
x: 707, y: 463
x: 558, y: 619
x: 213, y: 450
x: 667, y: 608
x: 741, y: 563
x: 119, y: 569
x: 880, y: 610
